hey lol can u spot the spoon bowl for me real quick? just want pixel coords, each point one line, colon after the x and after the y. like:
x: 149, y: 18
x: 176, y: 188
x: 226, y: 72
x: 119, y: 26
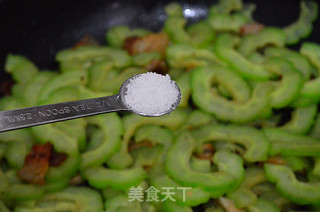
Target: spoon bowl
x: 123, y: 92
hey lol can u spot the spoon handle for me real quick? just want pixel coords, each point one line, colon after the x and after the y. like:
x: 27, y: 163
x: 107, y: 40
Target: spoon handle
x: 33, y: 116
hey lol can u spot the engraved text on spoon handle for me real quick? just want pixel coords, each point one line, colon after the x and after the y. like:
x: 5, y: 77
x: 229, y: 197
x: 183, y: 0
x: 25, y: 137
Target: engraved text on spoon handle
x: 33, y: 116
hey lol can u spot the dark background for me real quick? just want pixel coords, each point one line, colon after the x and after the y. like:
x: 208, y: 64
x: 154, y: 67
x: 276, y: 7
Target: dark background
x: 38, y: 29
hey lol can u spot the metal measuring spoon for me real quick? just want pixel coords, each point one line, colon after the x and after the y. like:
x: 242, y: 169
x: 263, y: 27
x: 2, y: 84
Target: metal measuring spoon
x: 46, y: 114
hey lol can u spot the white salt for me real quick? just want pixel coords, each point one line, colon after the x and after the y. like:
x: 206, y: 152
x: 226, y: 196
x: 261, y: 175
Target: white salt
x: 151, y: 93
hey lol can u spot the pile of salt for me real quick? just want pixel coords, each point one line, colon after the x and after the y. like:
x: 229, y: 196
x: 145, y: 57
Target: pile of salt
x: 151, y: 93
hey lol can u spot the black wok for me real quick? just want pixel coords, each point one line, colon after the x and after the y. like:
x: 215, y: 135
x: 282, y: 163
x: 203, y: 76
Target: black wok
x: 38, y: 29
